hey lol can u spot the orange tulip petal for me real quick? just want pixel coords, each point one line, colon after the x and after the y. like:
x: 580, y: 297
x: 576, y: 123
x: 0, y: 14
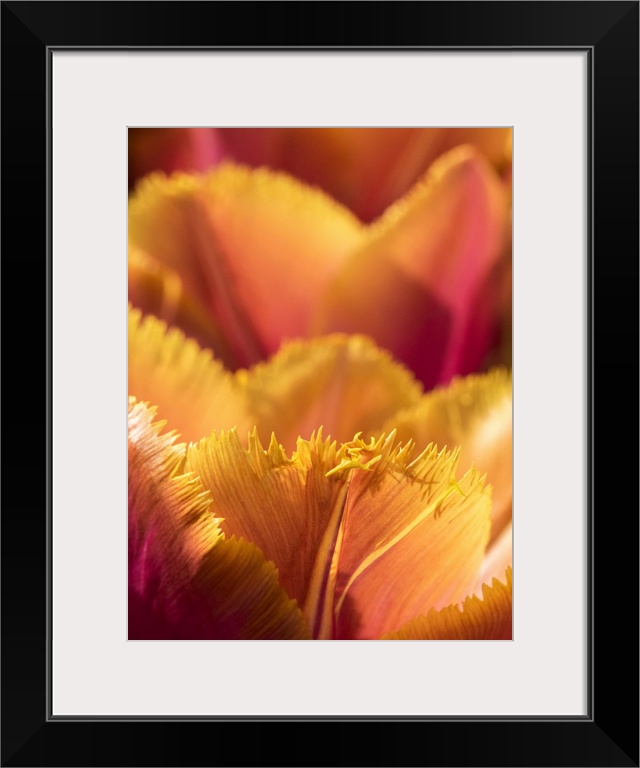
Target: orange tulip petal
x: 158, y: 290
x: 362, y: 538
x: 498, y: 557
x: 414, y: 284
x: 473, y: 412
x: 281, y: 504
x: 345, y: 384
x: 241, y: 240
x: 185, y: 580
x: 162, y: 503
x: 494, y: 143
x: 193, y: 392
x: 489, y: 618
x: 413, y: 538
x: 354, y: 165
x: 366, y: 169
x: 396, y: 158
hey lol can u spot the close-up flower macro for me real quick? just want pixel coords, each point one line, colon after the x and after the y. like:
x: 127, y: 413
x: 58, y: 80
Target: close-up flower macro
x: 319, y: 380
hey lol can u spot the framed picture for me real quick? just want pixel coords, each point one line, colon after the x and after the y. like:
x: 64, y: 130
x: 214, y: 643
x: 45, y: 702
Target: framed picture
x: 81, y: 686
x: 335, y: 304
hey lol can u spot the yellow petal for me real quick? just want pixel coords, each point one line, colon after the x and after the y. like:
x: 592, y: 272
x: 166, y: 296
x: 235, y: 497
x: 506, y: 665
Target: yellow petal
x: 415, y: 283
x: 185, y: 580
x: 489, y: 618
x: 413, y: 538
x: 345, y: 384
x: 281, y: 504
x: 158, y: 290
x: 498, y: 557
x: 235, y: 595
x: 193, y: 392
x: 494, y: 143
x: 241, y: 240
x: 363, y: 538
x: 473, y: 412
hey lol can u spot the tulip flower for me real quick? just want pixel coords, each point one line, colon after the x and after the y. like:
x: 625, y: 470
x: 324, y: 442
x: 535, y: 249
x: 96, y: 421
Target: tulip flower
x: 359, y: 536
x: 244, y: 260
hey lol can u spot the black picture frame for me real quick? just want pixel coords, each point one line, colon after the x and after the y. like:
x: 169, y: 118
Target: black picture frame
x: 608, y: 736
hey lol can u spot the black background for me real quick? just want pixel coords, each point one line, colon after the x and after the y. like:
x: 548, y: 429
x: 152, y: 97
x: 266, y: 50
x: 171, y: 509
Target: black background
x: 609, y: 737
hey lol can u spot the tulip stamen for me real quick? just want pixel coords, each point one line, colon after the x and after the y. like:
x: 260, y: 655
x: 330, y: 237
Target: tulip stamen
x: 319, y: 599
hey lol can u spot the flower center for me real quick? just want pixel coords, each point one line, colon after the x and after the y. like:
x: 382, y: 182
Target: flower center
x: 318, y: 608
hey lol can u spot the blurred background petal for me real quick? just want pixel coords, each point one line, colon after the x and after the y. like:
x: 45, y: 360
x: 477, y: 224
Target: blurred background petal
x: 268, y: 251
